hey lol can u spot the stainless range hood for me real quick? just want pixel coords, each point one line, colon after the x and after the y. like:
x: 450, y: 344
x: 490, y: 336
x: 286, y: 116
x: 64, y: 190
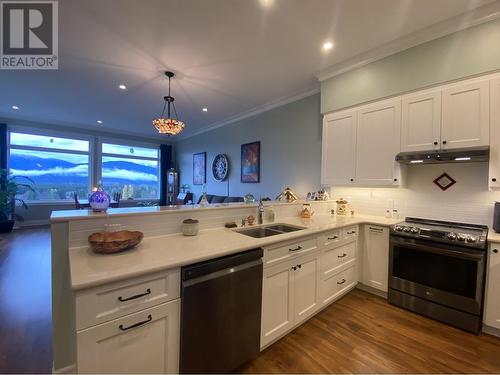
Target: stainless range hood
x: 463, y: 155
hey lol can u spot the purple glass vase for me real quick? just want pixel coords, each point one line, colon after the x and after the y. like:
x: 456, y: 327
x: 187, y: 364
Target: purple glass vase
x: 99, y: 200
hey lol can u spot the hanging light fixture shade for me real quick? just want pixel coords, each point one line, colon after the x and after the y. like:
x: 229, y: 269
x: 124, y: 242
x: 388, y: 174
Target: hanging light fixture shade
x: 168, y: 125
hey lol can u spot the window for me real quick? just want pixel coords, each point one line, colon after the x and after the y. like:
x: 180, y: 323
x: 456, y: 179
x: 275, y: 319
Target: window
x: 132, y: 171
x: 59, y: 167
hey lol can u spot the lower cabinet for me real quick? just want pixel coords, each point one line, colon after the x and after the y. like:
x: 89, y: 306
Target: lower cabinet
x: 289, y: 295
x: 492, y: 298
x: 375, y: 257
x: 143, y: 342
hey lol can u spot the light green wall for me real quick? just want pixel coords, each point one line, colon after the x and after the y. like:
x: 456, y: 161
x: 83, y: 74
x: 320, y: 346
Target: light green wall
x: 469, y: 52
x: 290, y: 139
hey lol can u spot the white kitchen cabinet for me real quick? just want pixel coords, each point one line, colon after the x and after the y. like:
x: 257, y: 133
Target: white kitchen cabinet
x: 277, y: 302
x: 421, y: 121
x: 378, y: 142
x: 335, y: 286
x: 339, y: 148
x: 494, y: 175
x: 465, y: 115
x: 306, y: 290
x: 492, y: 299
x: 290, y: 295
x: 375, y: 257
x: 143, y: 342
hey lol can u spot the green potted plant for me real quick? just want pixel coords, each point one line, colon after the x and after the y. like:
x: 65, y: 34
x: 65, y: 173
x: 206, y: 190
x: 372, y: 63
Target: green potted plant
x: 10, y: 187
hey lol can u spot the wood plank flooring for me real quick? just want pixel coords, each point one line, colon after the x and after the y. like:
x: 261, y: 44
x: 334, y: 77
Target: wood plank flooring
x: 362, y: 333
x: 25, y: 305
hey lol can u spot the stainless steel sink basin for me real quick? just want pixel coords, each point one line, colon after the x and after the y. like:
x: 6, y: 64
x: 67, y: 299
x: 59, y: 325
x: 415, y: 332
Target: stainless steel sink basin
x: 268, y: 230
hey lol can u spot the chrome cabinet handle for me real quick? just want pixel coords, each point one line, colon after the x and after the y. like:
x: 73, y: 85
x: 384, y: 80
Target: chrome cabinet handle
x: 342, y: 256
x: 333, y: 238
x: 296, y: 249
x: 150, y: 318
x: 341, y: 282
x: 121, y: 299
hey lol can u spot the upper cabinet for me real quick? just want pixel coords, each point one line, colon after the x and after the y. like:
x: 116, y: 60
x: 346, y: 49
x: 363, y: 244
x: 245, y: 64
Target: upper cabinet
x: 339, y: 148
x: 466, y: 116
x: 494, y: 176
x: 421, y: 121
x: 360, y: 144
x: 378, y: 142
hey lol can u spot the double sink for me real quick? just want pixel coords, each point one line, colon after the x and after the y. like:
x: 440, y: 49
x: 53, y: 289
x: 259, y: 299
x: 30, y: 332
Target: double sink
x: 269, y: 230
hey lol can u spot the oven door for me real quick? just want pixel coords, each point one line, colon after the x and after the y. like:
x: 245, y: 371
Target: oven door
x: 448, y: 275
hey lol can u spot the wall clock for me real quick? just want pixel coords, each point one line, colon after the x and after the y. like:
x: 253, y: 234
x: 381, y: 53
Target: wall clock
x: 220, y: 167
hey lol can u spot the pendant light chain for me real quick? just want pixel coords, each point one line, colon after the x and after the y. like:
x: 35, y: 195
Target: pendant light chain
x: 169, y: 125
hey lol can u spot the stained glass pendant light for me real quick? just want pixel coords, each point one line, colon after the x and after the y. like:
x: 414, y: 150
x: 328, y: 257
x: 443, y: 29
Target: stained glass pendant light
x: 168, y: 125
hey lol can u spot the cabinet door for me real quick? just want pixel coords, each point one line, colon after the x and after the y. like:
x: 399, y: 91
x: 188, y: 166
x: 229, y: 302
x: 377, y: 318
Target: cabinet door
x: 338, y: 148
x: 375, y: 258
x: 277, y: 302
x: 466, y: 117
x: 378, y: 143
x: 421, y: 121
x: 494, y: 176
x: 142, y: 342
x: 306, y: 291
x: 492, y: 300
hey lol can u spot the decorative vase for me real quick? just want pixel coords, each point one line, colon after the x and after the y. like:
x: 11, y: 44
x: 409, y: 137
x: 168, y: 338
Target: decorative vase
x: 99, y: 200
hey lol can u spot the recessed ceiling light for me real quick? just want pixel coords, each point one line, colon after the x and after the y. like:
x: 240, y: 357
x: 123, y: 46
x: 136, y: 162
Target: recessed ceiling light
x: 122, y: 87
x: 327, y: 46
x: 204, y: 109
x: 15, y: 107
x: 99, y: 121
x: 266, y: 3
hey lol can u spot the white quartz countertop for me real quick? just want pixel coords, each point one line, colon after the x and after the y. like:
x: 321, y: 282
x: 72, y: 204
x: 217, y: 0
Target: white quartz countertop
x: 163, y: 252
x: 493, y: 236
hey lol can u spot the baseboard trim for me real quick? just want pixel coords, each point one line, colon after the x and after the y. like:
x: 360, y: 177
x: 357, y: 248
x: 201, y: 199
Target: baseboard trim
x: 491, y: 330
x: 65, y: 370
x: 371, y: 290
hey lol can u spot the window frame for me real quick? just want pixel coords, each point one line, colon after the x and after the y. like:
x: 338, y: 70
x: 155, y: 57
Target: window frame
x: 94, y: 154
x: 122, y: 142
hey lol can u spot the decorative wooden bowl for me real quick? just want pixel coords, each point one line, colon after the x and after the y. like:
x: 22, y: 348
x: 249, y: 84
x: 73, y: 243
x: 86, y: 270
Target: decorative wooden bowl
x: 114, y: 242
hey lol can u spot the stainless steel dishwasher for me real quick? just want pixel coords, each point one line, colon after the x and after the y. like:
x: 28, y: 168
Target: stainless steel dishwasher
x: 221, y: 312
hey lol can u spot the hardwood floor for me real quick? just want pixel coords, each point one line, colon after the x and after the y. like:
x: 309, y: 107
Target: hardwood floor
x: 25, y: 305
x: 362, y: 333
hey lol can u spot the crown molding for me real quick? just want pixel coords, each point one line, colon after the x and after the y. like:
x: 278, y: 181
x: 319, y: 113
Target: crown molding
x: 463, y: 21
x: 254, y: 112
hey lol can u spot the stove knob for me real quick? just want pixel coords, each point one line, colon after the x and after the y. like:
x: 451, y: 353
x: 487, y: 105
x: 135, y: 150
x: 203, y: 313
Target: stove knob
x: 414, y: 230
x: 406, y: 229
x: 471, y: 239
x: 452, y: 236
x: 398, y: 228
x: 461, y: 237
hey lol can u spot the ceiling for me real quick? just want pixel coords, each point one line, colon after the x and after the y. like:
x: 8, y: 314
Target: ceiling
x: 230, y: 56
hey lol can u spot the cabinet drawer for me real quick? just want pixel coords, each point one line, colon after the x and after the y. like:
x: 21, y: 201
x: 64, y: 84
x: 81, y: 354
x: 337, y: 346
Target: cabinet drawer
x: 350, y: 232
x: 333, y: 259
x: 289, y: 250
x: 142, y: 342
x: 101, y: 304
x: 331, y: 238
x: 333, y: 287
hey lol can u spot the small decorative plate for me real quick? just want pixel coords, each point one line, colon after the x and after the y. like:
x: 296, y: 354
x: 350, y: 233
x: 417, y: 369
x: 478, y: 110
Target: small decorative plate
x: 220, y: 167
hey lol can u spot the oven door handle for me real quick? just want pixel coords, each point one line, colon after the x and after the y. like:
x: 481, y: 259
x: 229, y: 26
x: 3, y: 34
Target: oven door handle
x: 477, y: 257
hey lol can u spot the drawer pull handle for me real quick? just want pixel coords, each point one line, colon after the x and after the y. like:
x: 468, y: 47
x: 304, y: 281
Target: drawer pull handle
x: 352, y: 232
x: 150, y: 318
x: 296, y: 249
x: 341, y: 282
x: 495, y: 251
x: 121, y: 299
x: 376, y: 229
x: 333, y: 238
x: 342, y: 256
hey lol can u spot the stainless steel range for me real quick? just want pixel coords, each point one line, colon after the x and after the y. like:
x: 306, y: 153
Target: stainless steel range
x: 437, y: 269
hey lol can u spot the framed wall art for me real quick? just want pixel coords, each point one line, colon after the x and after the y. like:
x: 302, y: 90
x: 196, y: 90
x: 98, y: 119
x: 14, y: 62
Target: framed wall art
x: 199, y: 168
x: 250, y: 162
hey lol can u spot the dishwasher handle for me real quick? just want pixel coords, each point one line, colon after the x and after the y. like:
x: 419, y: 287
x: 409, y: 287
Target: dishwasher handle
x: 212, y: 266
x: 221, y: 273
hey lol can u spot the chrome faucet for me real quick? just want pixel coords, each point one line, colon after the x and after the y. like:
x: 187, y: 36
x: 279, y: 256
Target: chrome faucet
x: 260, y: 217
